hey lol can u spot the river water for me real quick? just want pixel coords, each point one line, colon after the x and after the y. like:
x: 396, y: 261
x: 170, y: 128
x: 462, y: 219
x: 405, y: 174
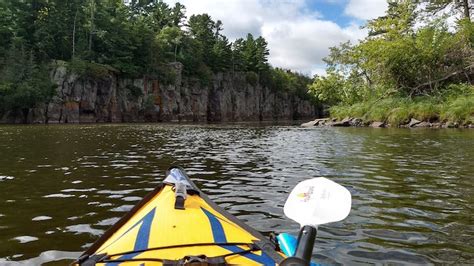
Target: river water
x: 413, y: 190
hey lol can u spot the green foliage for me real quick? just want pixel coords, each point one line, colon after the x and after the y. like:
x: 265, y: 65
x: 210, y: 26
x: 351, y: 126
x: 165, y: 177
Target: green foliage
x: 401, y: 71
x: 168, y: 41
x: 149, y: 102
x: 252, y: 78
x: 327, y: 88
x: 335, y: 88
x: 250, y: 54
x: 140, y: 38
x: 455, y: 107
x: 462, y: 6
x: 89, y: 69
x: 23, y: 83
x: 6, y: 33
x: 204, y: 73
x: 166, y: 74
x: 133, y: 92
x: 285, y: 79
x: 459, y: 109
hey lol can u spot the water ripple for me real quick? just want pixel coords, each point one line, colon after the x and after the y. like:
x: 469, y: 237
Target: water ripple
x: 412, y: 190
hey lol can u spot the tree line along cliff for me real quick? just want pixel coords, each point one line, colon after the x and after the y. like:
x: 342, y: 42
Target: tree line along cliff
x: 107, y: 61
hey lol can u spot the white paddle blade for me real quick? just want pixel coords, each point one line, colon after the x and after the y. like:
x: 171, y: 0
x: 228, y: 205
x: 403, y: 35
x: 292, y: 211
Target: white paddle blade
x: 318, y: 201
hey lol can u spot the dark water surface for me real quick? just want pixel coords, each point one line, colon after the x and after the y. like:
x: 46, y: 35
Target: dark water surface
x: 413, y: 190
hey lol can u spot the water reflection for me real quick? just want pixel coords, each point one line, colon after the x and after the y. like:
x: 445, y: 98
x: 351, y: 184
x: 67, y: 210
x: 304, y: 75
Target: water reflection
x: 412, y: 189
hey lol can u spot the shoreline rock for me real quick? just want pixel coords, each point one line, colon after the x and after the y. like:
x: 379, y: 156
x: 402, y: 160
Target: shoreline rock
x: 357, y: 122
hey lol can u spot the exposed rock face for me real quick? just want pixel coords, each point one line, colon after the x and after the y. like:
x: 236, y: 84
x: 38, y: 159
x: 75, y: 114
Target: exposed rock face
x: 423, y: 124
x: 111, y: 98
x: 356, y: 122
x: 346, y: 122
x: 377, y: 124
x: 413, y: 122
x: 316, y: 122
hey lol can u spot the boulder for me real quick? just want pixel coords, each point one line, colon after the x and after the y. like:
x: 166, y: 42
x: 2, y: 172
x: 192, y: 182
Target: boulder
x: 413, y: 122
x: 423, y: 124
x: 346, y: 122
x: 356, y: 122
x: 377, y: 124
x: 316, y: 122
x: 310, y: 123
x: 321, y: 121
x: 451, y: 125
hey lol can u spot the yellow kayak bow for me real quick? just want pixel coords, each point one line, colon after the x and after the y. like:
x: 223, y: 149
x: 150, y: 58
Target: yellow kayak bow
x: 177, y: 224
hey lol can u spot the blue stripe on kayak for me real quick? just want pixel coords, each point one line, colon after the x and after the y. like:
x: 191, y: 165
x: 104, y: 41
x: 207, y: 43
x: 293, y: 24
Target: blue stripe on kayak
x: 143, y: 236
x: 263, y: 259
x: 216, y: 226
x: 219, y: 236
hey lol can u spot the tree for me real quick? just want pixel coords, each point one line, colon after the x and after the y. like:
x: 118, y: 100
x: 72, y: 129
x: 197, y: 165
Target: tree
x: 169, y: 39
x: 238, y: 61
x: 222, y: 55
x: 203, y: 29
x: 250, y: 54
x: 6, y: 33
x: 463, y: 6
x: 23, y: 83
x: 137, y: 39
x: 178, y: 15
x: 398, y: 57
x: 261, y: 54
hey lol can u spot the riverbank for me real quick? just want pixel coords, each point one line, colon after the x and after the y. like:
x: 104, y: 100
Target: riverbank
x: 454, y: 111
x: 358, y: 122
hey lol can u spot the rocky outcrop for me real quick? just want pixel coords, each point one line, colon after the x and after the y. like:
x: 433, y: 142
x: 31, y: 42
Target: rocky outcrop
x: 357, y: 122
x: 377, y: 124
x: 317, y: 122
x: 413, y: 122
x: 346, y: 122
x: 112, y: 98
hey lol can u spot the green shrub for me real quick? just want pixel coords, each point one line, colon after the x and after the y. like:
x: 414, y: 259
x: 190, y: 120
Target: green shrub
x: 149, y: 102
x: 251, y: 77
x: 425, y: 110
x: 460, y: 110
x: 90, y: 69
x: 166, y: 74
x: 399, y: 116
x: 399, y: 110
x: 133, y: 92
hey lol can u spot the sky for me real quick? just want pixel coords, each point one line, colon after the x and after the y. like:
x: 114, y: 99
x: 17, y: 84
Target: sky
x: 299, y: 32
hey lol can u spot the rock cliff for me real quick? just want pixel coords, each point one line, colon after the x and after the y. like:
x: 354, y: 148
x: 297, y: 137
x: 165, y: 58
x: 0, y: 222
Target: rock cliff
x: 111, y: 98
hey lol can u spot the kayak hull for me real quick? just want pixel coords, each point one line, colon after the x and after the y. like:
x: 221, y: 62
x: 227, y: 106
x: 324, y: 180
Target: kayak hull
x: 154, y: 232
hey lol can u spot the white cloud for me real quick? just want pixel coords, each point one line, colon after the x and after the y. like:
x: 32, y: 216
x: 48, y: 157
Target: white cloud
x: 302, y: 44
x: 366, y: 9
x: 298, y: 37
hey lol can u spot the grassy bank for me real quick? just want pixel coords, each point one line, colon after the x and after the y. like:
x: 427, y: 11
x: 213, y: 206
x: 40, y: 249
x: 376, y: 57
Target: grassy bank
x: 398, y: 111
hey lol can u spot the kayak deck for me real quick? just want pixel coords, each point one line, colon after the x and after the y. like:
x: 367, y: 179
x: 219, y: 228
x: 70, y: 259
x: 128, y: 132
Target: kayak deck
x: 157, y: 233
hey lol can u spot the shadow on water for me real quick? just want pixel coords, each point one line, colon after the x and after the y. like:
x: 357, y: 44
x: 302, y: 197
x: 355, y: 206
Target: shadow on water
x: 62, y: 186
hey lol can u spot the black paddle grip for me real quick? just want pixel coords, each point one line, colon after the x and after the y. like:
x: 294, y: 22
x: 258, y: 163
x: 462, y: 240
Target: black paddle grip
x: 306, y: 238
x: 304, y: 249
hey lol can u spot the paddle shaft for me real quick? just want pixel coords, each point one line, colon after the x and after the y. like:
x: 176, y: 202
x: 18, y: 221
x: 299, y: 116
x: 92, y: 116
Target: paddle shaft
x: 306, y: 238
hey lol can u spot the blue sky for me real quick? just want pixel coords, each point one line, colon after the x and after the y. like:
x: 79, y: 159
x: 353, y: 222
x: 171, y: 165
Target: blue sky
x: 299, y: 32
x: 332, y: 10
